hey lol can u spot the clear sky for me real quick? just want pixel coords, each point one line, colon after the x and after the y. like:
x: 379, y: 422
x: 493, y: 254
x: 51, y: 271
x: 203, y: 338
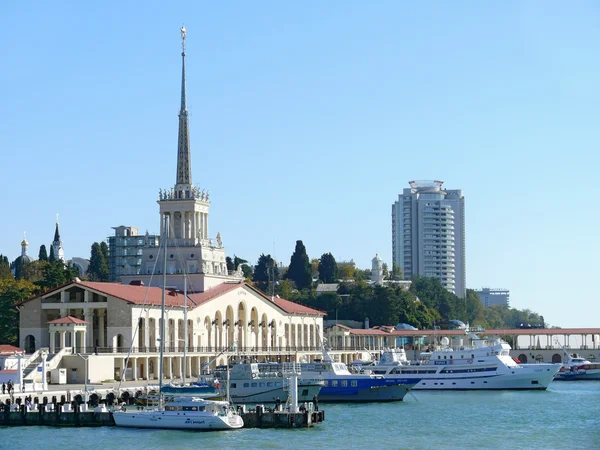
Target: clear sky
x: 307, y: 120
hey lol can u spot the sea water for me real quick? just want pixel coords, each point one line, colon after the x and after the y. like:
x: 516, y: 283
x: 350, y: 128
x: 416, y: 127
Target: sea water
x: 566, y: 416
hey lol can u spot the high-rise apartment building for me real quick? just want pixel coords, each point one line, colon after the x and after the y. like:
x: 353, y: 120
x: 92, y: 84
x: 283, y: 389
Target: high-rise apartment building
x: 428, y: 234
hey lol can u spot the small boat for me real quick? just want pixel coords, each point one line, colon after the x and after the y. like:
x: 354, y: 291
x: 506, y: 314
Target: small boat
x: 183, y: 413
x: 578, y: 368
x: 487, y: 365
x: 205, y: 389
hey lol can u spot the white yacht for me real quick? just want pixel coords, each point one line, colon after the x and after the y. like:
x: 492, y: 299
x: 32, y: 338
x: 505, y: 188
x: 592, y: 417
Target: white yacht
x: 184, y: 413
x: 486, y: 365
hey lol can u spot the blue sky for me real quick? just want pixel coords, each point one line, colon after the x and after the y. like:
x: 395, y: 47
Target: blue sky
x: 307, y: 120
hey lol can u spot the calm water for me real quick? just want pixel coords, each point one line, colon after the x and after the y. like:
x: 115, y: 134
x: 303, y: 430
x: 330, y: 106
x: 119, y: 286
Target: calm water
x: 565, y: 416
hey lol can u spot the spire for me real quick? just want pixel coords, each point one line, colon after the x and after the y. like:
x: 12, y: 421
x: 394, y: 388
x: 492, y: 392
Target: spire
x: 24, y: 245
x: 184, y: 169
x: 56, y: 232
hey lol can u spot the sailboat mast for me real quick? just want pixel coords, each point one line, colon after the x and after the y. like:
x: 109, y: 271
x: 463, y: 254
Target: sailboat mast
x: 185, y: 333
x: 162, y: 310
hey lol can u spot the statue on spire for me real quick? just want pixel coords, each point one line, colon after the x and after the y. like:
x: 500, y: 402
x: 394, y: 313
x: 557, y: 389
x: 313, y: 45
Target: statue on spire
x: 183, y: 33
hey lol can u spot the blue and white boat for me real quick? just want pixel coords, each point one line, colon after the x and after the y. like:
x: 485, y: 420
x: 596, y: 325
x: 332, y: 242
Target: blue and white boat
x: 340, y: 385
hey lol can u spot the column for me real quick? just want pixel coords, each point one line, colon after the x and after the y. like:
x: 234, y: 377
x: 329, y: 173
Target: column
x: 101, y: 342
x: 147, y: 367
x: 157, y: 336
x: 89, y: 317
x: 73, y: 341
x: 205, y: 227
x: 193, y: 232
x: 63, y: 339
x: 162, y: 224
x: 52, y: 341
x: 134, y: 368
x: 84, y: 346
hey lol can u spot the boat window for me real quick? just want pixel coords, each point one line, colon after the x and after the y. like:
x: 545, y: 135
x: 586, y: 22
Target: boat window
x: 344, y: 383
x: 325, y: 383
x: 277, y: 384
x: 246, y: 384
x: 444, y: 356
x: 439, y: 357
x: 334, y: 383
x: 354, y: 383
x: 254, y: 384
x: 472, y: 356
x: 450, y: 356
x: 462, y: 356
x: 269, y: 384
x: 233, y: 385
x: 304, y: 392
x: 261, y: 384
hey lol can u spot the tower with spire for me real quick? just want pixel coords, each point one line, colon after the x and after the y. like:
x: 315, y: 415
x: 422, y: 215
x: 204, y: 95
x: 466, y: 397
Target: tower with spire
x: 191, y: 250
x: 59, y: 251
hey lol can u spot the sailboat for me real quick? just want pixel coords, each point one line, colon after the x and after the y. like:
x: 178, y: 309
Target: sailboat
x: 185, y: 413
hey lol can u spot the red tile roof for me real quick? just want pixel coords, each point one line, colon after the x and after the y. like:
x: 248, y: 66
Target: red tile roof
x: 141, y: 295
x: 287, y: 305
x: 69, y: 320
x: 138, y: 295
x: 9, y: 350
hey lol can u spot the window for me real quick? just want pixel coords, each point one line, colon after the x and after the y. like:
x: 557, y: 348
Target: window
x: 304, y: 392
x: 334, y: 383
x: 325, y: 383
x: 246, y: 384
x: 354, y: 383
x: 233, y: 385
x: 344, y: 383
x: 254, y: 384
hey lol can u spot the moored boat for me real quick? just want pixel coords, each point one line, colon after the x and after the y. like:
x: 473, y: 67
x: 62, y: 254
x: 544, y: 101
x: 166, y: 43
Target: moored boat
x: 487, y: 365
x: 578, y: 368
x: 184, y: 413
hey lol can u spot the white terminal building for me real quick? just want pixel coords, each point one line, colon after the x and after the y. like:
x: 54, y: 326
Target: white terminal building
x: 489, y: 296
x: 118, y: 324
x: 428, y: 234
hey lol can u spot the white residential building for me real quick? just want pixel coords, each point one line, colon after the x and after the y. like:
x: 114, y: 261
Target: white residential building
x: 428, y: 234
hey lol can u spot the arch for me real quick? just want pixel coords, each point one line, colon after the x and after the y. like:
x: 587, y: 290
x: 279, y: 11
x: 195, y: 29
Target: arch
x: 121, y: 343
x: 152, y: 334
x: 556, y: 358
x: 141, y: 332
x: 180, y: 336
x: 242, y: 321
x: 29, y: 344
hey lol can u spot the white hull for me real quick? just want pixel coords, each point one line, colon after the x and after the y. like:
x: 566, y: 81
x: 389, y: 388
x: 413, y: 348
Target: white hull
x: 178, y: 421
x: 524, y: 377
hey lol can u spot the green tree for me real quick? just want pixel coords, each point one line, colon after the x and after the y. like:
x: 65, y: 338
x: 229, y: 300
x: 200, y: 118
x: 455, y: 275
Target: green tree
x: 11, y: 292
x: 314, y: 267
x: 43, y: 255
x: 5, y: 268
x: 34, y: 271
x: 287, y: 289
x: 346, y: 272
x: 52, y: 257
x: 300, y: 271
x: 385, y: 270
x: 265, y: 272
x: 105, y: 250
x: 397, y: 272
x: 327, y: 268
x: 98, y: 268
x: 229, y: 264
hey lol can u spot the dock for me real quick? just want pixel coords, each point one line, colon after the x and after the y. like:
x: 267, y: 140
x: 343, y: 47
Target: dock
x: 79, y: 415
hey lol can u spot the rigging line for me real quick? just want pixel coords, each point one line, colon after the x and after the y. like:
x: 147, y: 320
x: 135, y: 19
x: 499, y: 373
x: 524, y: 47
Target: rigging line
x: 135, y: 331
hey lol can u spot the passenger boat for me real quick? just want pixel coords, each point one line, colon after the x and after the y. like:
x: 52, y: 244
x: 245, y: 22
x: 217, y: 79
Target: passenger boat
x: 578, y: 368
x: 184, y: 413
x: 487, y: 365
x: 265, y: 382
x: 340, y: 385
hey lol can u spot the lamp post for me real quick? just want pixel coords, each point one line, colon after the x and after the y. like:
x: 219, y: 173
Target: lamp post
x: 85, y: 373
